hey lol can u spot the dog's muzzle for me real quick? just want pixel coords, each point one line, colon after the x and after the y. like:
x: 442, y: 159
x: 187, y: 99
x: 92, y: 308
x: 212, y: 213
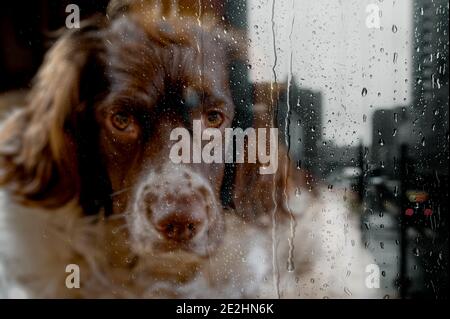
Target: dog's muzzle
x: 175, y: 209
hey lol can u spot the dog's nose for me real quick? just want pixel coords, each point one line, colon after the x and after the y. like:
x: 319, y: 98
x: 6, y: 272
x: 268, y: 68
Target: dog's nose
x: 181, y: 225
x: 179, y: 205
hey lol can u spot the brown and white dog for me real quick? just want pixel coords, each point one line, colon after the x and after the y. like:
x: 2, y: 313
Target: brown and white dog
x: 87, y: 179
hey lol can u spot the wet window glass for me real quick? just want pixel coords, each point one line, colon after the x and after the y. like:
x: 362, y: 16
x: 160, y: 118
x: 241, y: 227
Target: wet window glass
x: 224, y: 149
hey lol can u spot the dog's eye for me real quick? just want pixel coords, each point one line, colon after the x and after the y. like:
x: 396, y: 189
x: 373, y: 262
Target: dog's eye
x: 214, y: 118
x: 121, y: 121
x: 124, y: 125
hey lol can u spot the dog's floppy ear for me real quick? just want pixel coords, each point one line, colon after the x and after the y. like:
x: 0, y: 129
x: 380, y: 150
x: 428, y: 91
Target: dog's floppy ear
x: 38, y: 144
x: 257, y: 196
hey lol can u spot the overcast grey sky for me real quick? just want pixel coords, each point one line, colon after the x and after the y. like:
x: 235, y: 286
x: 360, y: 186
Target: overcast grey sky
x: 336, y: 53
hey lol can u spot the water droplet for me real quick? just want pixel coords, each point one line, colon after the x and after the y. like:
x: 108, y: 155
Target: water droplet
x: 396, y: 117
x: 347, y: 291
x: 394, y: 132
x: 394, y: 28
x: 364, y: 92
x: 381, y: 142
x: 290, y: 266
x: 395, y: 57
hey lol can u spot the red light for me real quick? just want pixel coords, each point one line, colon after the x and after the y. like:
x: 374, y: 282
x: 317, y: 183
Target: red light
x: 409, y: 212
x: 428, y: 212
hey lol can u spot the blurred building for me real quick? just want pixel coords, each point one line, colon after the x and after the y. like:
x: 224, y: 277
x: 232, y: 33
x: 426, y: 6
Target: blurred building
x: 429, y: 125
x: 304, y: 122
x: 390, y: 130
x: 333, y: 157
x: 306, y: 107
x: 422, y: 126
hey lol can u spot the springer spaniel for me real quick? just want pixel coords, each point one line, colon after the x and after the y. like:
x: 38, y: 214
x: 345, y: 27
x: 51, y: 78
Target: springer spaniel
x: 88, y: 181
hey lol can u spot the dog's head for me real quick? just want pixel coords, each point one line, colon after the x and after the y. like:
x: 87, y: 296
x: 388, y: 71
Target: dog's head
x: 98, y: 123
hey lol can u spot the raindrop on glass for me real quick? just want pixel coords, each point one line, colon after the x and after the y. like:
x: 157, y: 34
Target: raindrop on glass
x: 347, y: 291
x: 290, y: 266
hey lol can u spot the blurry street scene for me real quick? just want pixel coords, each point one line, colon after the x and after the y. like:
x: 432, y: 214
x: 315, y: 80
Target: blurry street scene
x: 388, y: 151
